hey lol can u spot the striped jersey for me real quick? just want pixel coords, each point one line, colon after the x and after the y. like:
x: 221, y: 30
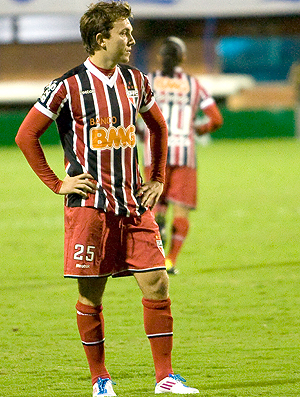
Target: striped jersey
x: 179, y: 99
x: 95, y: 117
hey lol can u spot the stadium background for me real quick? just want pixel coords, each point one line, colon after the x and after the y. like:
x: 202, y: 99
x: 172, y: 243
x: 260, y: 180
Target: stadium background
x: 242, y: 53
x: 236, y: 299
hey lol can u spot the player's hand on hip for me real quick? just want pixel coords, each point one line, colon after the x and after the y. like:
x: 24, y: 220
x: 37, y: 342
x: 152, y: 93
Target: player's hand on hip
x: 150, y: 193
x: 80, y: 184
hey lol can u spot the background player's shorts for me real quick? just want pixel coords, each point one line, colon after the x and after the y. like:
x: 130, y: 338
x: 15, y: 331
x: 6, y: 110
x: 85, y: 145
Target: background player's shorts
x: 180, y: 186
x: 103, y: 244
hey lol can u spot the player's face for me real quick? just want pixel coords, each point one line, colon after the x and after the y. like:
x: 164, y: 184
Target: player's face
x: 118, y: 46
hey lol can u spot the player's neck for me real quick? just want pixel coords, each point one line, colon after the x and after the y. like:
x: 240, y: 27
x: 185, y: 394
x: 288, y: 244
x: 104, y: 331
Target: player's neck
x: 107, y: 72
x: 101, y: 61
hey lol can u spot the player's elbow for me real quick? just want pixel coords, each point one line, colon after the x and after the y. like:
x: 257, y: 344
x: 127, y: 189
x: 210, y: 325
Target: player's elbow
x: 18, y: 140
x: 218, y: 122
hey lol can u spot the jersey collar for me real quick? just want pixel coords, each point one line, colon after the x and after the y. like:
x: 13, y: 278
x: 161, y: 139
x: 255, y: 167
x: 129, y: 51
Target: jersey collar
x: 110, y: 81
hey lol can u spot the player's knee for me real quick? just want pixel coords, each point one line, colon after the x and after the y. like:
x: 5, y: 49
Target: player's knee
x: 159, y: 289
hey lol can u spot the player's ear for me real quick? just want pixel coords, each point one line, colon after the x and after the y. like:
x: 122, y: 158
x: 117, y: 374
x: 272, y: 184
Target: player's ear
x: 100, y: 41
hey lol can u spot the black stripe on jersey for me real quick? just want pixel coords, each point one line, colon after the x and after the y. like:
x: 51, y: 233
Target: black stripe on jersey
x: 117, y: 155
x: 169, y: 157
x: 190, y: 85
x: 134, y: 171
x: 135, y: 185
x: 185, y: 156
x: 90, y: 112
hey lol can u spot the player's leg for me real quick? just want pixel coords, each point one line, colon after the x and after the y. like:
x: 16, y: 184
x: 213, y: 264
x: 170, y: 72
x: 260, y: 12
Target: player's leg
x: 90, y: 323
x: 145, y: 258
x: 183, y: 194
x: 85, y: 231
x: 179, y: 232
x: 158, y: 323
x: 147, y: 263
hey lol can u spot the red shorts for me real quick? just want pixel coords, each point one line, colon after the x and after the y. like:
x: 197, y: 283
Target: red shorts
x: 102, y: 244
x: 180, y: 186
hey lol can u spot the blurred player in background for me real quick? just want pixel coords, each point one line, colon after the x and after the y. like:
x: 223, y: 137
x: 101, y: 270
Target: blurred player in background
x: 109, y: 228
x: 180, y: 97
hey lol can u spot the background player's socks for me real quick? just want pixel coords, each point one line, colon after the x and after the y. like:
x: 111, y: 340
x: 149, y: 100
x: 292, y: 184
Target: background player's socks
x: 158, y: 323
x: 180, y: 230
x: 90, y: 323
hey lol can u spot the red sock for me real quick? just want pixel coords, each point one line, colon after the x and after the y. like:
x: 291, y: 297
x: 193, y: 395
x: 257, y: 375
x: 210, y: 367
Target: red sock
x: 180, y: 230
x: 90, y: 323
x: 158, y: 323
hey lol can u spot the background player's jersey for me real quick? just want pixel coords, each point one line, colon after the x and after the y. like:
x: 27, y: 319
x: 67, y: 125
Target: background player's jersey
x: 96, y: 118
x: 179, y: 99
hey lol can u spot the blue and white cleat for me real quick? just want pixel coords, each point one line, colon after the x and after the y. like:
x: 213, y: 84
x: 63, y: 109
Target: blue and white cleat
x: 173, y: 384
x: 103, y: 387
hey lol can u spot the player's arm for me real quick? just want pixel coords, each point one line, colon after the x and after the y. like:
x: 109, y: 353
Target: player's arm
x: 157, y: 126
x: 30, y: 131
x: 213, y: 120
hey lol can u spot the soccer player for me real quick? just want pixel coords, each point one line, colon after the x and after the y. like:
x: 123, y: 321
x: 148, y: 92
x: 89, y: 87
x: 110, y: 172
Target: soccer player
x: 110, y: 229
x: 179, y: 96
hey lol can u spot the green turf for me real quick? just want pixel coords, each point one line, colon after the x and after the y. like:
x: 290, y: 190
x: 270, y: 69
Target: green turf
x: 235, y: 303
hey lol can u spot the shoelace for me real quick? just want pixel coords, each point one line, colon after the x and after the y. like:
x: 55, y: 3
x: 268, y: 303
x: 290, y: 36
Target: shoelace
x: 102, y: 384
x: 177, y: 377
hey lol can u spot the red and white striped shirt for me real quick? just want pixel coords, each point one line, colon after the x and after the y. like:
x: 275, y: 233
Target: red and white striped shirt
x: 96, y: 118
x: 179, y: 99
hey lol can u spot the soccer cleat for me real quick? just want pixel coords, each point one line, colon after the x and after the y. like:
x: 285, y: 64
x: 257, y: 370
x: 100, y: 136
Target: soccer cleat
x: 173, y: 384
x: 171, y: 269
x: 103, y: 387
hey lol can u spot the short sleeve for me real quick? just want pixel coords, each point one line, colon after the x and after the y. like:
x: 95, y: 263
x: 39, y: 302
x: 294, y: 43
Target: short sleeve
x: 205, y: 98
x: 53, y: 99
x: 148, y: 96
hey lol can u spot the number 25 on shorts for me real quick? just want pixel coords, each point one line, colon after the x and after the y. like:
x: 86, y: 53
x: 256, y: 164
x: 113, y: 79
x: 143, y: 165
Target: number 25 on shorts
x: 84, y: 254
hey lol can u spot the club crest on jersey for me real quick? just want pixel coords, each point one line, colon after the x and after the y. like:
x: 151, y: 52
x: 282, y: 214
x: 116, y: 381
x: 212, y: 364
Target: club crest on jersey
x: 102, y: 138
x: 132, y: 94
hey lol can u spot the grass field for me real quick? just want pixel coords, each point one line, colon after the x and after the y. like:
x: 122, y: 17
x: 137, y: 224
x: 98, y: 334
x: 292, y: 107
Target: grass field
x: 236, y: 302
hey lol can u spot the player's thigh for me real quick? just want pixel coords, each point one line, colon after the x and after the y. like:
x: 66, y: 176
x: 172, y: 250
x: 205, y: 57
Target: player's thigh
x: 92, y: 238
